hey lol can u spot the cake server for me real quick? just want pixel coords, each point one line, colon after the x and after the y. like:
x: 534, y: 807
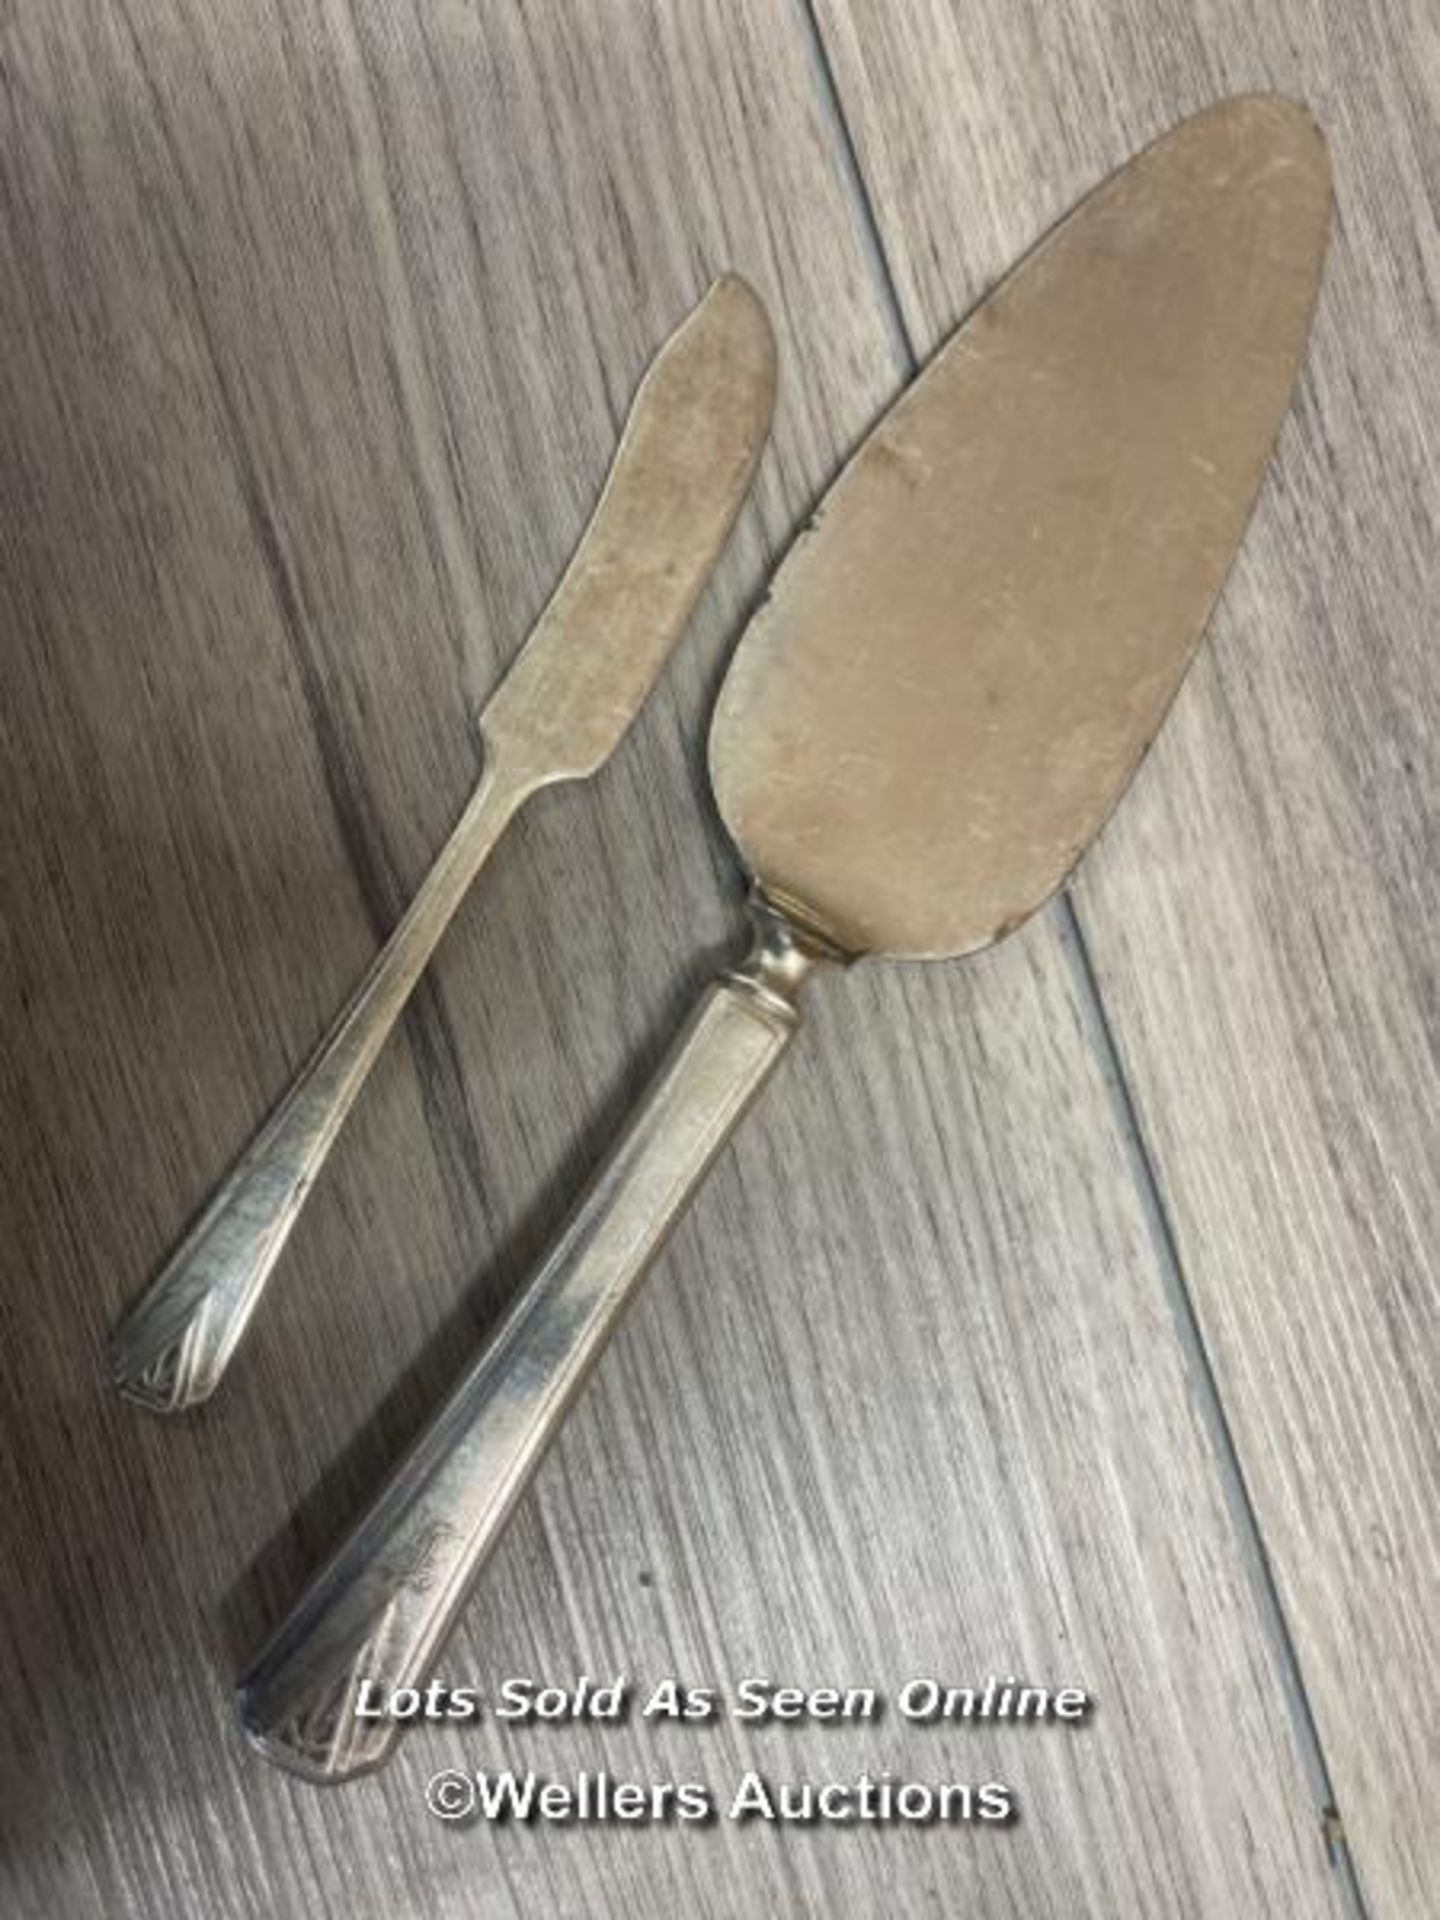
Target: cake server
x: 955, y: 675
x: 683, y: 467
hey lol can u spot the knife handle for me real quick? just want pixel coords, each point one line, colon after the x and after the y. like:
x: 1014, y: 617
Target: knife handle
x: 383, y: 1608
x: 171, y: 1349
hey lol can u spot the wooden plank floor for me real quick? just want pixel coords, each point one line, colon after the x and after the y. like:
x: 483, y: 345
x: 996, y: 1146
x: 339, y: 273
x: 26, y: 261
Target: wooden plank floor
x: 1064, y: 1314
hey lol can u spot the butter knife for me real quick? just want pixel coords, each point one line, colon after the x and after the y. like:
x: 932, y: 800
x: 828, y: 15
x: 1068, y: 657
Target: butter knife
x: 683, y: 467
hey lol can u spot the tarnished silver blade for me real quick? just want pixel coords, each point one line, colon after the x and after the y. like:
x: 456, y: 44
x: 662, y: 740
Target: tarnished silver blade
x: 960, y: 665
x: 683, y: 466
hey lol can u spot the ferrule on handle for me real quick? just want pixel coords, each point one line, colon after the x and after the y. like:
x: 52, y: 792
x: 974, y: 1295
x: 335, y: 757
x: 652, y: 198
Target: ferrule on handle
x: 376, y: 1618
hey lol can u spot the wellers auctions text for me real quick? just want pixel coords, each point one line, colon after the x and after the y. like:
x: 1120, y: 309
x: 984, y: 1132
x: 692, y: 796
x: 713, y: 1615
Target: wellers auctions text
x: 871, y: 1796
x: 600, y: 1799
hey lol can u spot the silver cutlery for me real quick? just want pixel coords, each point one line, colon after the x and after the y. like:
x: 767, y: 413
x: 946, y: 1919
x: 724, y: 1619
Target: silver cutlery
x: 683, y: 467
x: 955, y: 675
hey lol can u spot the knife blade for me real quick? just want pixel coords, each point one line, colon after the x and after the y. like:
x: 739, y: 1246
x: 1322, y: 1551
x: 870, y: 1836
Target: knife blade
x: 951, y: 682
x: 683, y: 466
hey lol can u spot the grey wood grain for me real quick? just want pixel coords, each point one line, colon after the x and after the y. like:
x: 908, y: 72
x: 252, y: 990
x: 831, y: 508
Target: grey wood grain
x: 1262, y: 916
x: 319, y: 325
